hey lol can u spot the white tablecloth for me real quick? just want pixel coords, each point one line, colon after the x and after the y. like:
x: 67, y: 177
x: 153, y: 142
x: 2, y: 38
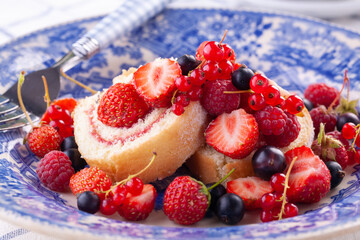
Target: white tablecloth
x: 20, y: 17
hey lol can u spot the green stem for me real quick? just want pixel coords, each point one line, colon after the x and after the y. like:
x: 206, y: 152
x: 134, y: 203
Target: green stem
x: 221, y: 180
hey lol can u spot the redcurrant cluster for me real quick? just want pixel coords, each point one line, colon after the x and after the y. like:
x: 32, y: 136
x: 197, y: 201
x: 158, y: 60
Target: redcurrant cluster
x: 275, y: 205
x: 350, y: 131
x: 267, y: 94
x: 214, y: 61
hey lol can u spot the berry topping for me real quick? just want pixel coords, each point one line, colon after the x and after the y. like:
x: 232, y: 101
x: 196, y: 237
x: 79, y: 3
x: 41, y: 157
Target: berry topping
x: 66, y: 104
x: 336, y: 172
x: 55, y: 171
x: 187, y: 63
x: 183, y: 83
x: 215, y: 194
x: 155, y: 81
x: 121, y: 106
x: 77, y: 162
x: 213, y: 51
x: 309, y: 179
x: 186, y: 200
x: 291, y: 132
x: 241, y: 78
x: 258, y: 83
x: 68, y: 143
x: 138, y: 207
x: 271, y: 120
x: 272, y: 95
x: 294, y: 104
x: 89, y: 202
x: 215, y: 101
x: 229, y: 53
x: 250, y: 189
x: 230, y: 209
x: 234, y: 134
x: 43, y: 139
x: 256, y: 101
x: 90, y: 179
x: 346, y: 118
x: 267, y: 161
x: 200, y: 51
x: 322, y: 115
x: 321, y: 94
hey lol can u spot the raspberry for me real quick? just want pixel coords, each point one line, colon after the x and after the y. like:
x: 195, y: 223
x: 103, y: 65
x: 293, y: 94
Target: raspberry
x: 321, y: 94
x: 55, y: 171
x: 271, y: 120
x: 337, y: 135
x: 121, y: 106
x: 43, y: 139
x: 90, y: 179
x: 291, y: 132
x: 322, y: 115
x: 215, y: 101
x: 186, y: 200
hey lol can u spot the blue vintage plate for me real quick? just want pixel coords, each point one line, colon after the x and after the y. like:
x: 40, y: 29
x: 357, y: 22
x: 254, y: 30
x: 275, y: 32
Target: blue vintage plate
x: 291, y: 50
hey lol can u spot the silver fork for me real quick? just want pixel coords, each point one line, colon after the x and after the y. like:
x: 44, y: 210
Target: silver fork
x: 131, y: 14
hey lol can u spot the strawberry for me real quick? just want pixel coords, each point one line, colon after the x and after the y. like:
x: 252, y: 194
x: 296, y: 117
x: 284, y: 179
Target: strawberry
x: 250, y: 189
x: 329, y: 148
x: 186, y: 200
x: 65, y: 103
x: 155, y: 81
x: 43, y: 139
x: 138, y: 207
x: 121, y: 106
x: 234, y: 134
x: 309, y: 179
x: 90, y: 179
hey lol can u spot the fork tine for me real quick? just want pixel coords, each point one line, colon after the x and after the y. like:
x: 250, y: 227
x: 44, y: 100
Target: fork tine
x: 12, y: 116
x: 18, y: 122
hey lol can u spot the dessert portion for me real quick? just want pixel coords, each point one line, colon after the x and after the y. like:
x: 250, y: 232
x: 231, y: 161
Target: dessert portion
x: 122, y: 144
x: 230, y: 124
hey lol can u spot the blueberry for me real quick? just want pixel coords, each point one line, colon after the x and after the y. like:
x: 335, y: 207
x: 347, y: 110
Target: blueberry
x: 230, y: 209
x: 345, y: 118
x: 215, y: 193
x: 88, y: 202
x: 77, y: 162
x: 336, y: 172
x: 187, y: 63
x: 308, y: 104
x: 240, y: 78
x: 267, y: 161
x: 68, y: 142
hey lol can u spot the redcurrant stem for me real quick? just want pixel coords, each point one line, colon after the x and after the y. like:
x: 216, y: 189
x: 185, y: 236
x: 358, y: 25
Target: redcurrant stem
x: 46, y: 96
x: 77, y: 82
x: 286, y: 187
x: 173, y: 97
x: 132, y: 175
x: 221, y: 180
x: 356, y: 135
x: 346, y: 81
x: 240, y: 91
x: 21, y: 103
x: 223, y: 38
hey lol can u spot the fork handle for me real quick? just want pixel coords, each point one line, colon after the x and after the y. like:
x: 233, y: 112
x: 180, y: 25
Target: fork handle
x: 131, y: 14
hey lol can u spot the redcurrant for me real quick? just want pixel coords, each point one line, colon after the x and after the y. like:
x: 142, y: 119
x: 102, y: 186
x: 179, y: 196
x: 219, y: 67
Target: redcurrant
x: 290, y: 210
x: 258, y: 83
x: 134, y: 186
x: 294, y: 104
x: 226, y: 69
x: 277, y: 182
x: 183, y: 100
x: 257, y: 101
x: 177, y: 109
x: 197, y: 77
x: 183, y: 83
x: 199, y: 52
x: 271, y: 95
x: 349, y: 131
x: 229, y: 53
x: 195, y: 93
x: 107, y: 206
x: 281, y: 103
x: 267, y: 201
x: 213, y: 51
x: 266, y: 215
x: 211, y: 70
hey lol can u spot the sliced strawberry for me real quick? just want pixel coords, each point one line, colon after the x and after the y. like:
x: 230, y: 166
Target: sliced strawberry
x: 309, y: 179
x: 137, y: 208
x: 234, y: 134
x: 250, y: 189
x: 155, y: 81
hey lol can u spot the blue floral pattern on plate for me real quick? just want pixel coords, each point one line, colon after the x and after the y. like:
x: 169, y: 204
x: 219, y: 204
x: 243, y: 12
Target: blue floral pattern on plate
x: 291, y: 50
